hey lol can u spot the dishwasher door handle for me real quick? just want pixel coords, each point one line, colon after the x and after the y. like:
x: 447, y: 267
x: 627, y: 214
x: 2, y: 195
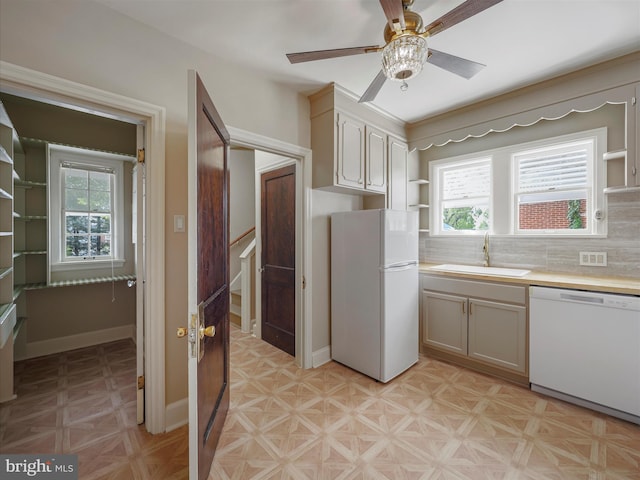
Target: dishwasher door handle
x: 582, y: 298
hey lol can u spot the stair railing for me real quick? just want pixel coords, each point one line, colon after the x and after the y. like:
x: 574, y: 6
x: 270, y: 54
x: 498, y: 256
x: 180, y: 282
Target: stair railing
x: 246, y: 286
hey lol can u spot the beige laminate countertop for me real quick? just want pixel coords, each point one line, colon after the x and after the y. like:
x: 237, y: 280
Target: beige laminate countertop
x: 629, y: 286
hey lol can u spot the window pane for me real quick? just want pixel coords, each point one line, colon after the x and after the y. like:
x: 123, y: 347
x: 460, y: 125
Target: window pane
x: 549, y: 212
x: 100, y: 245
x: 100, y: 201
x: 74, y: 178
x: 100, y: 223
x: 553, y: 187
x: 465, y: 218
x: 77, y: 223
x: 77, y: 246
x: 99, y: 181
x: 76, y: 200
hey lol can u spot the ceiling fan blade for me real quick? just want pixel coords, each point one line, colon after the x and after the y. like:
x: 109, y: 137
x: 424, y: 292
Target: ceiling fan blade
x: 324, y: 54
x: 394, y: 12
x: 458, y: 65
x: 461, y: 12
x: 374, y: 88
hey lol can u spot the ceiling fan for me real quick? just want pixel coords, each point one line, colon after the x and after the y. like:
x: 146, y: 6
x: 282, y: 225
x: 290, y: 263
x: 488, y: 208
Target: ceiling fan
x: 405, y: 50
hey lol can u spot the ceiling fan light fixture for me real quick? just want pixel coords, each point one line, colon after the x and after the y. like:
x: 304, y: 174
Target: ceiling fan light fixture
x: 404, y: 56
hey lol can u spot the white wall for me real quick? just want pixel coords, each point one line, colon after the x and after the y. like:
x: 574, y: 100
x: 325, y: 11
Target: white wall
x: 242, y: 204
x: 91, y: 44
x: 242, y: 195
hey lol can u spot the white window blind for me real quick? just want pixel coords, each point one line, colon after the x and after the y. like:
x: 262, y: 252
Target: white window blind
x: 466, y: 181
x: 548, y: 171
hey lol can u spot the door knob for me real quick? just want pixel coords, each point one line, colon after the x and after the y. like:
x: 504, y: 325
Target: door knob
x: 209, y: 331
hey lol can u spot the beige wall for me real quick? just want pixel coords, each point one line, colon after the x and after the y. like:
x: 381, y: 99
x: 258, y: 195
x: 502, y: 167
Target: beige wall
x: 69, y: 127
x: 65, y: 311
x: 324, y: 204
x: 93, y: 45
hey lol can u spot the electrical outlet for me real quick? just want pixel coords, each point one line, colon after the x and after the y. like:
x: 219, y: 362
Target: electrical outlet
x: 593, y: 259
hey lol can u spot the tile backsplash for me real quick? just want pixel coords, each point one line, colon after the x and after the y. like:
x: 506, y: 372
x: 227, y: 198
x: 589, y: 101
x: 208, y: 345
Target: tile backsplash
x: 622, y: 246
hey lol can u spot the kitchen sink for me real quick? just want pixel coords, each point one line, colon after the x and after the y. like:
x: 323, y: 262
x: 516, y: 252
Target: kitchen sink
x: 497, y: 271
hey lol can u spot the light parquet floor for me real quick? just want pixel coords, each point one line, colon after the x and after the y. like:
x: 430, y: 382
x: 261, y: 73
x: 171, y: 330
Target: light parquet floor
x: 84, y: 402
x: 436, y: 421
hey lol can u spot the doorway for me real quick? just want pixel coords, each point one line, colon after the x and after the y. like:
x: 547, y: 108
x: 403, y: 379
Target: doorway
x: 277, y: 154
x: 47, y: 89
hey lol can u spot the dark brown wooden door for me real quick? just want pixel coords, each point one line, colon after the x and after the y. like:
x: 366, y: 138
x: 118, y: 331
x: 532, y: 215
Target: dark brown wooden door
x: 212, y: 265
x: 279, y: 258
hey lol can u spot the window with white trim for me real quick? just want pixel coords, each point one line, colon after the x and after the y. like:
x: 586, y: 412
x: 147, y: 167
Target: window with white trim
x: 553, y: 188
x: 549, y: 187
x: 86, y: 208
x: 464, y: 196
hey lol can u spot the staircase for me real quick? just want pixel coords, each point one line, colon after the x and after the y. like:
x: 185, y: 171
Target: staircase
x: 235, y: 310
x: 242, y: 288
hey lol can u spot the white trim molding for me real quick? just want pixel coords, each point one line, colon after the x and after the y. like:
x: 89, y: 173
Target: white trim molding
x: 177, y: 414
x: 40, y: 86
x: 322, y: 356
x: 79, y: 340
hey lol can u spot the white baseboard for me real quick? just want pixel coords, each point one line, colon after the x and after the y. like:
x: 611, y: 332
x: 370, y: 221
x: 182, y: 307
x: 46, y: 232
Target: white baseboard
x: 177, y: 414
x: 322, y: 356
x: 80, y: 340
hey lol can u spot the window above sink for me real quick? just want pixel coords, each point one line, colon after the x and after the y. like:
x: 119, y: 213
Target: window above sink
x: 551, y: 187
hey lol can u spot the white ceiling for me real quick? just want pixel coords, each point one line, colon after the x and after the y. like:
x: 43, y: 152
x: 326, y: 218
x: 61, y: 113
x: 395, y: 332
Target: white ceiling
x: 521, y: 42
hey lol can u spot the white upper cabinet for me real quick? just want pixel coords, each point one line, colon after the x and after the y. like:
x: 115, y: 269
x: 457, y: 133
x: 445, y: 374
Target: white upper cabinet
x: 350, y: 144
x: 398, y: 174
x: 375, y: 160
x: 350, y: 158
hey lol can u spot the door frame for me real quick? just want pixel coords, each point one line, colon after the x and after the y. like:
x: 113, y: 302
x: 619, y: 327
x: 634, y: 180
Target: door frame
x: 303, y: 160
x: 47, y: 88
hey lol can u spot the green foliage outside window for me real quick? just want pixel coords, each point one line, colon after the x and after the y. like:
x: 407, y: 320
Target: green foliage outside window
x: 573, y: 214
x: 466, y: 218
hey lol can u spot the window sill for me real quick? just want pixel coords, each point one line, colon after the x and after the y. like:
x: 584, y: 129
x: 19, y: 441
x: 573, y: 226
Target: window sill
x: 87, y: 265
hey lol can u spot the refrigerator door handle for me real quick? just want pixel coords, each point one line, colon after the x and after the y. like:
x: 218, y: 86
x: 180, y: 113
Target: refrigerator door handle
x: 398, y: 267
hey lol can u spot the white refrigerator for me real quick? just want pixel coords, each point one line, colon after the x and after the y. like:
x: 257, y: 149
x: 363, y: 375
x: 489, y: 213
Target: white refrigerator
x: 374, y: 291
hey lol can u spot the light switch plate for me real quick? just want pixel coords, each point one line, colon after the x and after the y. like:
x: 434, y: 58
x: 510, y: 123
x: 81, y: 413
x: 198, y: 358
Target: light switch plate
x: 178, y: 223
x: 593, y: 259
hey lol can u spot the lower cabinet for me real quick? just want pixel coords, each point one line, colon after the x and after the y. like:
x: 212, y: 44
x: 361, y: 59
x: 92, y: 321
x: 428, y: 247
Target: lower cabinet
x: 481, y: 324
x: 498, y: 334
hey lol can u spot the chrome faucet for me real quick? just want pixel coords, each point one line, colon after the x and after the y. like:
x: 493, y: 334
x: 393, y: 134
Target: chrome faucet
x: 485, y: 249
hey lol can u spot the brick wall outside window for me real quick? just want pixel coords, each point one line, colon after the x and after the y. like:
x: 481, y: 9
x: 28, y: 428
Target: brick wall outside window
x: 548, y: 215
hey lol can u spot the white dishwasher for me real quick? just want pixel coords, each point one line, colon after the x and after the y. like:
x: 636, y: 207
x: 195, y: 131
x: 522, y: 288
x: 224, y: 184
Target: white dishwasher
x: 585, y: 348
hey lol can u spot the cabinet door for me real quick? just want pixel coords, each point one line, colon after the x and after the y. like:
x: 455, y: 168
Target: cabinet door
x: 498, y: 334
x: 444, y: 322
x: 376, y: 160
x: 398, y: 178
x: 351, y: 153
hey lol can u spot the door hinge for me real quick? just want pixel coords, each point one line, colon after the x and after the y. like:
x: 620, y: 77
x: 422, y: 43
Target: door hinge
x: 141, y: 155
x: 633, y: 100
x: 304, y: 282
x: 140, y: 382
